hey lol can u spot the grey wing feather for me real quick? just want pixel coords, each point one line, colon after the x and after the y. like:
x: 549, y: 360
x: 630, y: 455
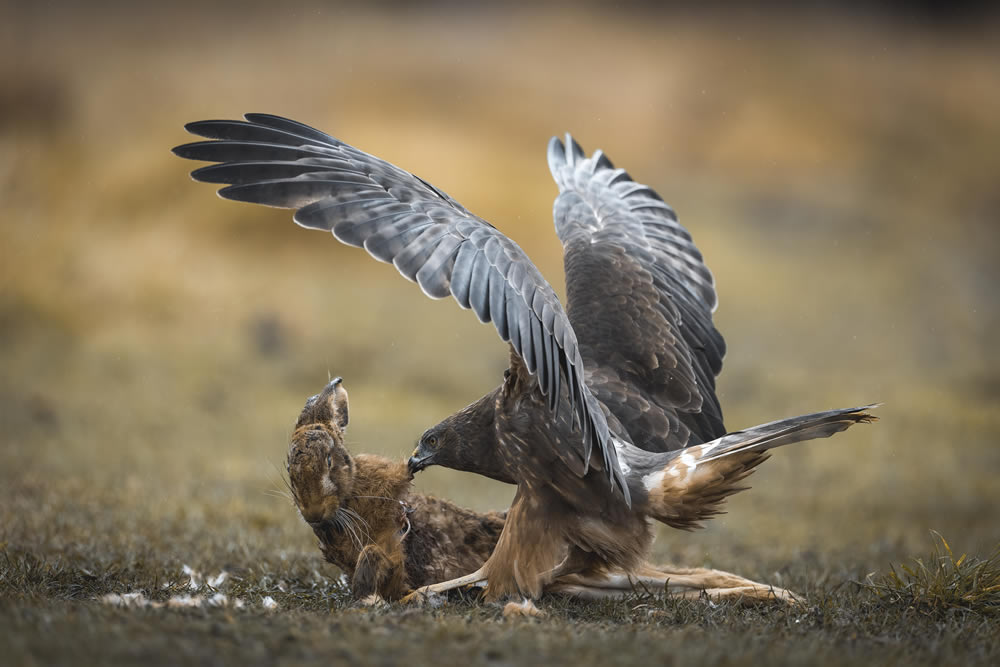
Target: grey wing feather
x: 640, y: 299
x: 429, y: 237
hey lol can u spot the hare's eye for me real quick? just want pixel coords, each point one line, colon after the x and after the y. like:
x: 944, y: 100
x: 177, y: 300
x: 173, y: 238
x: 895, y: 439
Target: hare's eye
x: 329, y: 460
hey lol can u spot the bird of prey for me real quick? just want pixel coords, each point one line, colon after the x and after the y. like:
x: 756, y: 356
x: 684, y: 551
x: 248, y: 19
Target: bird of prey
x: 607, y: 414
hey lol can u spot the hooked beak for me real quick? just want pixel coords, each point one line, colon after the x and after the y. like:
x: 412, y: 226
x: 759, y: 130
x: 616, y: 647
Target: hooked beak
x: 419, y: 460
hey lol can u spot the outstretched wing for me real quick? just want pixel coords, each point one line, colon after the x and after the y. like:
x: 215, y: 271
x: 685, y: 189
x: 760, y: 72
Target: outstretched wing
x: 428, y: 236
x: 640, y: 299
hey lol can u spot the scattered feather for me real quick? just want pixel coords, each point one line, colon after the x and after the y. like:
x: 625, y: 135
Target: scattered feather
x: 194, y: 582
x: 218, y: 580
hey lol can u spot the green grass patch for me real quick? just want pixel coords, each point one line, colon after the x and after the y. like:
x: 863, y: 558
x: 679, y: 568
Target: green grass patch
x: 942, y: 583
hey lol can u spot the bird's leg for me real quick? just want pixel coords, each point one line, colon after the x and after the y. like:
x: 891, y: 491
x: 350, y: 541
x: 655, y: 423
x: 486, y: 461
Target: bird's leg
x: 571, y: 564
x: 468, y: 580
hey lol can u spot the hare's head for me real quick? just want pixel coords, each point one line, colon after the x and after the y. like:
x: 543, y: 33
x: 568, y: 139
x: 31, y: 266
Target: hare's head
x: 320, y: 470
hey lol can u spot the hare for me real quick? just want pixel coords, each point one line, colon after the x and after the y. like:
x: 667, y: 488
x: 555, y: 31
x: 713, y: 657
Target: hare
x: 390, y: 540
x: 385, y: 538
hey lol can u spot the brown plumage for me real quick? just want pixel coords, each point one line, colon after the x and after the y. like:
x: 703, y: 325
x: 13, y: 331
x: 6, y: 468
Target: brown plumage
x: 605, y: 403
x: 389, y: 539
x: 563, y: 523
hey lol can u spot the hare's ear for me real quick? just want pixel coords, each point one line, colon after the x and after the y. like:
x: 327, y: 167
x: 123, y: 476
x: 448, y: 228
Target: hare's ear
x: 340, y: 407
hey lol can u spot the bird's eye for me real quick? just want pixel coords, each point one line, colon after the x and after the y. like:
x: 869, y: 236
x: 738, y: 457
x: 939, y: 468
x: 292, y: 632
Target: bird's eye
x: 432, y: 440
x: 329, y: 460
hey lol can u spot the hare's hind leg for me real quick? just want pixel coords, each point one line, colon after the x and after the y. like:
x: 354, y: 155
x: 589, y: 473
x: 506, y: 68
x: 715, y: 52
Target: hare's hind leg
x: 681, y: 582
x: 717, y: 584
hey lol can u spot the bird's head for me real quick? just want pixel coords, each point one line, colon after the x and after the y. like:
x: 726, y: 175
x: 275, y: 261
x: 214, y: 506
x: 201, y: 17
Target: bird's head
x: 465, y: 441
x: 437, y: 446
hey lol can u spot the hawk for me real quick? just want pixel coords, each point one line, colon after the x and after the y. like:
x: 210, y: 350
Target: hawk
x: 607, y: 414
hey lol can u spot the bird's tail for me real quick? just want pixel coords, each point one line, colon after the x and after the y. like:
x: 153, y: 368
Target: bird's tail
x: 692, y: 483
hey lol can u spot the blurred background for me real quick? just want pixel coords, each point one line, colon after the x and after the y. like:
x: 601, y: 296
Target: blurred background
x: 838, y: 169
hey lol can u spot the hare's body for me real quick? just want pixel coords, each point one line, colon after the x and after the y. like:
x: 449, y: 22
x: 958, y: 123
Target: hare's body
x: 401, y: 540
x: 389, y: 540
x: 369, y: 524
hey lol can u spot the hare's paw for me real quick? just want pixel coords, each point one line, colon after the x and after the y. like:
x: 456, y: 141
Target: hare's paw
x: 525, y: 608
x: 746, y: 595
x: 417, y: 596
x: 777, y: 595
x: 421, y: 597
x: 373, y: 600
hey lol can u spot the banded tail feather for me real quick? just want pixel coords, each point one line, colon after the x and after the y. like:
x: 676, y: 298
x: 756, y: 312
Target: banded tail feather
x: 687, y: 486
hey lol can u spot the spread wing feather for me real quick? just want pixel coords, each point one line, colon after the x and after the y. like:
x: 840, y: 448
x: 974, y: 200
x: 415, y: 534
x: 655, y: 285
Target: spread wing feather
x: 429, y: 237
x: 640, y: 299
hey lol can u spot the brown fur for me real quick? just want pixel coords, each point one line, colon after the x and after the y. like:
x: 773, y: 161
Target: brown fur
x: 385, y: 538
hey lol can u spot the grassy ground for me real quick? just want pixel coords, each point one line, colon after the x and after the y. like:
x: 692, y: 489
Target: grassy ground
x: 157, y: 343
